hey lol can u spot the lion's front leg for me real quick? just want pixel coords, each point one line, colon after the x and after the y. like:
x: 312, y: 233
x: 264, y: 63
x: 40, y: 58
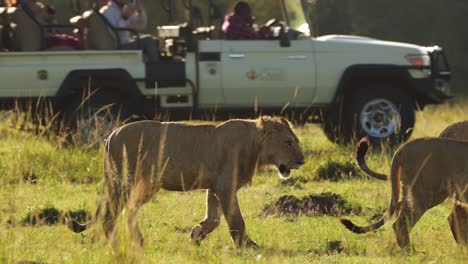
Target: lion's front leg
x: 233, y: 215
x: 212, y: 219
x: 458, y: 221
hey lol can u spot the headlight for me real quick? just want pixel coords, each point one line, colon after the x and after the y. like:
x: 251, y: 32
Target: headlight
x: 419, y: 73
x: 418, y: 59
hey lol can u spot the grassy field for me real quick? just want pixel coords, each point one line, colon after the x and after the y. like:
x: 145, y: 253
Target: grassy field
x: 39, y: 173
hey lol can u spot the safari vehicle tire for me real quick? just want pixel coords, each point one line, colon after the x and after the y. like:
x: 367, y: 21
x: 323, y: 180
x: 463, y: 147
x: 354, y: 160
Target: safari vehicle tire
x: 92, y: 118
x: 384, y: 114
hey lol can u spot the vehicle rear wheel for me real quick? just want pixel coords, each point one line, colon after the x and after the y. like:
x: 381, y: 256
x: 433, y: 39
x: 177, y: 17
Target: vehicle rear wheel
x: 384, y: 114
x: 92, y: 119
x: 96, y: 123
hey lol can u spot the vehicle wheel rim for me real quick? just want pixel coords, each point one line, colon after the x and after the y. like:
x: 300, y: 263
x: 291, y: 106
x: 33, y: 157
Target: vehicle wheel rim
x: 94, y: 127
x: 380, y: 118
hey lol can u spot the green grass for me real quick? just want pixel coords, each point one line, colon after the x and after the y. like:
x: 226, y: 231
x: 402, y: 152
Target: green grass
x: 38, y: 173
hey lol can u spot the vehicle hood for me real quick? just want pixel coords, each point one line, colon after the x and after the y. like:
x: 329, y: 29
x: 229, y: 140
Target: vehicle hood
x: 366, y: 41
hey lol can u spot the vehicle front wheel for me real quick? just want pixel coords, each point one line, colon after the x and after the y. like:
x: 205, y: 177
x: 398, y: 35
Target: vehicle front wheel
x: 384, y: 115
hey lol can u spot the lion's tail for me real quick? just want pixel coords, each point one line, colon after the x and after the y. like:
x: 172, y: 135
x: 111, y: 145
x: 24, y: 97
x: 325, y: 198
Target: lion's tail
x: 77, y: 227
x: 362, y: 148
x: 396, y: 172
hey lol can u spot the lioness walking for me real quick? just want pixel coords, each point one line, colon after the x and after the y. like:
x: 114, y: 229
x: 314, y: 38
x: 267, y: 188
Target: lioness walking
x: 430, y: 170
x: 142, y: 157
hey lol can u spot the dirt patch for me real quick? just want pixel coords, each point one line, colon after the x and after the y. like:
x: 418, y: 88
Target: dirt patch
x: 330, y: 204
x: 50, y: 215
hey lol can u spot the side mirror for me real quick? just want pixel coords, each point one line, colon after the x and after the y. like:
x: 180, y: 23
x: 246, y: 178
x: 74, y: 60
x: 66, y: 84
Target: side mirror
x: 284, y: 36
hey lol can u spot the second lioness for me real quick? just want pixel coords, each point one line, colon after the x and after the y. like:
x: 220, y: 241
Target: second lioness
x: 457, y: 131
x: 430, y: 170
x: 143, y: 157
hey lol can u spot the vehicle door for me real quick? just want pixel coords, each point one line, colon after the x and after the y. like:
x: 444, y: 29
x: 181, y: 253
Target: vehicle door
x: 261, y: 73
x: 209, y: 74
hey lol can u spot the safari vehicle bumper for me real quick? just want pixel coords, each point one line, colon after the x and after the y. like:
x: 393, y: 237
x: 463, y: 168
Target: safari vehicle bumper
x: 432, y: 83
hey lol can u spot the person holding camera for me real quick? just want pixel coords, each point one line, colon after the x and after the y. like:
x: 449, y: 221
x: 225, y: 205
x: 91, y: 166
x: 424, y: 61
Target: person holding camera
x: 131, y: 14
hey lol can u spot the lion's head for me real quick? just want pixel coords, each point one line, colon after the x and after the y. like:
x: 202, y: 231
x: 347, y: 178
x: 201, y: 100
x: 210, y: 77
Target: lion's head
x: 280, y: 145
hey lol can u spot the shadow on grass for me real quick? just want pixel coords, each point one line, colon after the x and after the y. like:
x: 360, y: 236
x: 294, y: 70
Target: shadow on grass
x: 50, y: 215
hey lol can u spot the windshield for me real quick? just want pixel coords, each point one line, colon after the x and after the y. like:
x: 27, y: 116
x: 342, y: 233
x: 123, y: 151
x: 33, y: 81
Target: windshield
x: 297, y: 18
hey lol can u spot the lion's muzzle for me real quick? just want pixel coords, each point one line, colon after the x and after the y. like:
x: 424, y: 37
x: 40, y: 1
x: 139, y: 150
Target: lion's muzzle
x: 285, y: 170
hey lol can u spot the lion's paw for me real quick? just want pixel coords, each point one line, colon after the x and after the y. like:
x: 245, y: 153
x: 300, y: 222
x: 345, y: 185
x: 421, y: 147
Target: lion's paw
x: 251, y: 244
x: 197, y: 234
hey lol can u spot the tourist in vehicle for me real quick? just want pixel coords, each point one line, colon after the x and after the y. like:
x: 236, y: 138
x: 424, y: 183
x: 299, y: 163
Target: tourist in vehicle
x: 131, y: 14
x: 44, y: 14
x: 239, y: 24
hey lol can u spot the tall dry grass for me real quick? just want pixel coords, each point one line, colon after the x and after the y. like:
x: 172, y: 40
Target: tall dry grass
x: 40, y: 170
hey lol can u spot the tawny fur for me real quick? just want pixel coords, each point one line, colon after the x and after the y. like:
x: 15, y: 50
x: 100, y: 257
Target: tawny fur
x: 143, y: 157
x: 430, y: 170
x: 457, y: 131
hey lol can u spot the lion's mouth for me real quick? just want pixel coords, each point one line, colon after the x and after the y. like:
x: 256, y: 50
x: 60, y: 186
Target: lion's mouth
x: 285, y: 172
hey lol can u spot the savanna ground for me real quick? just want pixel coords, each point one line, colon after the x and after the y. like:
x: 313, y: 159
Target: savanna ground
x: 39, y: 174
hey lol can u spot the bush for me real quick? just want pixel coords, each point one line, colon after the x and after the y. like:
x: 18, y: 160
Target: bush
x: 338, y: 170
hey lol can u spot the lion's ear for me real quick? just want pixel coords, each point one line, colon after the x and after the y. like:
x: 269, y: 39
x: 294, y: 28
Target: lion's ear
x: 265, y: 124
x: 284, y: 121
x: 261, y: 122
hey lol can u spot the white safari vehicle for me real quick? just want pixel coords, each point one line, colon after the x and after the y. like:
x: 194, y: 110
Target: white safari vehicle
x: 353, y: 85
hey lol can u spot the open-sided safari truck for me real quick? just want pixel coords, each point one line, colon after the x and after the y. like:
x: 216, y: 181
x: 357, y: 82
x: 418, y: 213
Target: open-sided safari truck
x: 353, y: 85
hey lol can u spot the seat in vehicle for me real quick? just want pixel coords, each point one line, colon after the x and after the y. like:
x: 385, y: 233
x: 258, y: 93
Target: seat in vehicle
x: 2, y: 28
x: 26, y: 33
x: 99, y: 33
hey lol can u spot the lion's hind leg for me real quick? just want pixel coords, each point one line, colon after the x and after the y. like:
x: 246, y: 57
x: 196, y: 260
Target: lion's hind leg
x: 140, y: 194
x: 112, y: 211
x: 458, y: 221
x: 212, y: 219
x: 411, y: 212
x: 108, y: 224
x: 405, y: 221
